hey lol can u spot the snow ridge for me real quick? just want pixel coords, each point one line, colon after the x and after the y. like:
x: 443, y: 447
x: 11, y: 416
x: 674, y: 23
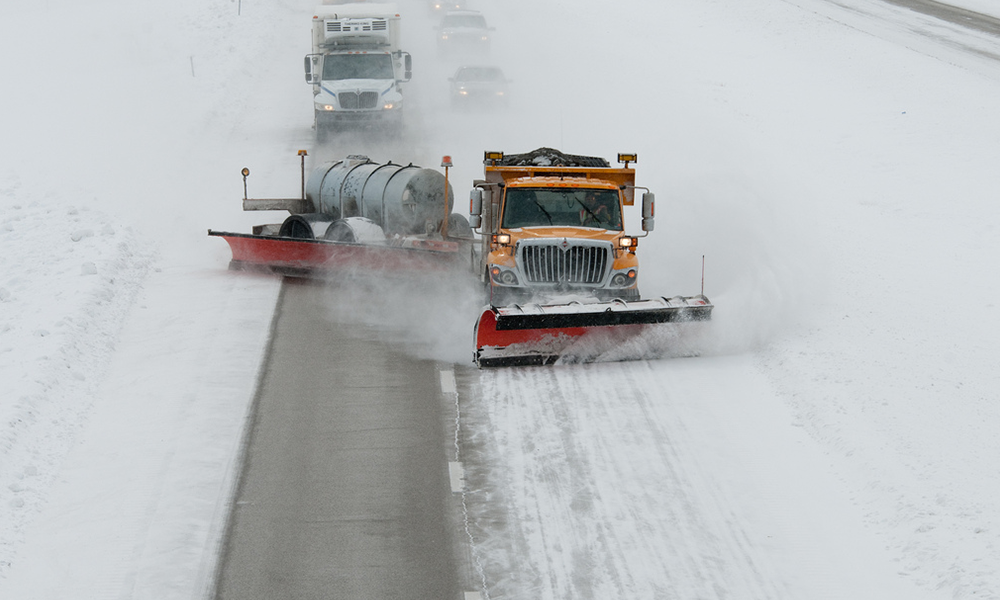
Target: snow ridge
x: 94, y: 280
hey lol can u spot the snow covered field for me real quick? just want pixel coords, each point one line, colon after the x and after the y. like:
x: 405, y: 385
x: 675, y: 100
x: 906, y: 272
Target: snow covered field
x: 835, y: 162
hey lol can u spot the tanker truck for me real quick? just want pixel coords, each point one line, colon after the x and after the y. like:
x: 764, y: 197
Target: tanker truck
x: 355, y: 214
x: 559, y: 271
x: 356, y: 68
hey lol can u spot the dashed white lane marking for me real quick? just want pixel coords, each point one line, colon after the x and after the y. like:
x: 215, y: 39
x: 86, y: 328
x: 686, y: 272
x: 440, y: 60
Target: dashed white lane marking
x: 448, y: 382
x: 473, y: 596
x: 457, y: 475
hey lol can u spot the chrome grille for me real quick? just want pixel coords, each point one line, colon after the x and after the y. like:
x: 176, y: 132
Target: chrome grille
x: 550, y: 263
x: 358, y: 100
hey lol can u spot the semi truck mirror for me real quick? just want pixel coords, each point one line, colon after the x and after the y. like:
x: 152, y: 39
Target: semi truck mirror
x: 476, y: 208
x: 312, y: 69
x: 648, y: 211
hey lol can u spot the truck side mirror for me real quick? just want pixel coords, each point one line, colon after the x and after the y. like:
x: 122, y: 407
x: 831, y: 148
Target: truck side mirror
x: 312, y: 69
x: 407, y: 67
x: 476, y: 208
x: 648, y: 210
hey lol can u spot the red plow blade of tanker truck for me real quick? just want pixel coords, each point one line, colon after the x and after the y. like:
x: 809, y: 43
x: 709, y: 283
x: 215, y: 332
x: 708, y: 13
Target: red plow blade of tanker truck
x: 572, y: 333
x: 317, y: 258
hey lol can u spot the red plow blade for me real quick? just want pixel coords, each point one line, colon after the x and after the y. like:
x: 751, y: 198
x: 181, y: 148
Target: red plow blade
x: 292, y: 256
x: 543, y: 334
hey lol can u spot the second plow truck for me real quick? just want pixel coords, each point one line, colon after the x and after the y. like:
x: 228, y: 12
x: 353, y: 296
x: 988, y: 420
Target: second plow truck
x: 356, y: 67
x: 356, y: 216
x: 559, y: 271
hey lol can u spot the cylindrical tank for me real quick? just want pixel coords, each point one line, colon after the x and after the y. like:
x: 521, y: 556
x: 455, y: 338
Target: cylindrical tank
x: 401, y: 199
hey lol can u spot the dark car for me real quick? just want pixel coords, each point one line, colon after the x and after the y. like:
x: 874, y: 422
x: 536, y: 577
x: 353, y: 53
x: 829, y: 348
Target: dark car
x: 479, y: 85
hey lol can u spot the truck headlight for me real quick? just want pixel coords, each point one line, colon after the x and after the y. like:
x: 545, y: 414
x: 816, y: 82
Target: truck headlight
x: 503, y: 276
x: 624, y: 279
x: 328, y: 107
x: 388, y: 106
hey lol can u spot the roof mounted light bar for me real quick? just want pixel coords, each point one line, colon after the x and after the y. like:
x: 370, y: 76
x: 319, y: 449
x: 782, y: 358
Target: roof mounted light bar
x: 492, y: 157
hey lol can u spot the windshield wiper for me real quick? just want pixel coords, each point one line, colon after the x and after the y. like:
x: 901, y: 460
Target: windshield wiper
x: 589, y: 212
x: 547, y: 215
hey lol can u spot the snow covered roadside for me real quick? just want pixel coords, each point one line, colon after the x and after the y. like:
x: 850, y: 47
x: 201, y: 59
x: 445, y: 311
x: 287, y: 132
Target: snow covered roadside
x: 128, y: 354
x: 871, y: 227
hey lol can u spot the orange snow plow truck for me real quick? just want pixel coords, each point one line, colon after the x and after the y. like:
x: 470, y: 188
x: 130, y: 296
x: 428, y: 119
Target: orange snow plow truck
x: 559, y: 271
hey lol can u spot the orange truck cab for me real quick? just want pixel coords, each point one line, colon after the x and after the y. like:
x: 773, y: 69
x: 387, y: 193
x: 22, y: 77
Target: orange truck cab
x: 552, y: 226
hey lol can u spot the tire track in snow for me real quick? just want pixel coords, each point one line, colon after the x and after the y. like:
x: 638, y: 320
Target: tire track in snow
x: 604, y: 496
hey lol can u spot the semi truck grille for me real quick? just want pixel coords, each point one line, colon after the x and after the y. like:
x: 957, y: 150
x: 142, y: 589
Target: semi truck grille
x: 358, y: 100
x: 554, y: 264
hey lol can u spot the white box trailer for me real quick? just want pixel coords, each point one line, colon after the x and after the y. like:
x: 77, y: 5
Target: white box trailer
x: 356, y: 67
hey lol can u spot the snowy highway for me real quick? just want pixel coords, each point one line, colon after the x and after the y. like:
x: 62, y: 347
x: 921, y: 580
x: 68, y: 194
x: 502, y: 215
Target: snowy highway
x: 835, y: 437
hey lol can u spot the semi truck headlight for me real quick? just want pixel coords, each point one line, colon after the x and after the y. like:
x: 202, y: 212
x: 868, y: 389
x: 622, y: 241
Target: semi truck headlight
x: 626, y: 242
x: 502, y: 276
x: 328, y: 107
x: 388, y: 106
x: 624, y: 279
x: 502, y: 238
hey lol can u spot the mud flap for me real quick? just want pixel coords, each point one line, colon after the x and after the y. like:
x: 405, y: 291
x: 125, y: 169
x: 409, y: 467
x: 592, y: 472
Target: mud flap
x: 544, y: 334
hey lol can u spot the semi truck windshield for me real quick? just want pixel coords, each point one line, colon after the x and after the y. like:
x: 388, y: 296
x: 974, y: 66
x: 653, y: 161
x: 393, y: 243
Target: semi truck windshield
x: 357, y: 66
x: 561, y: 207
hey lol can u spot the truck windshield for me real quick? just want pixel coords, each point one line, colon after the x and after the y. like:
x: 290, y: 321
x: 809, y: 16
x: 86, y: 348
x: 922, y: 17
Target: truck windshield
x: 357, y: 66
x: 565, y: 207
x: 457, y: 21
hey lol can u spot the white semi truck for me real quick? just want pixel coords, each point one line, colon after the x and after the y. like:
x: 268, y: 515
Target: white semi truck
x: 356, y: 67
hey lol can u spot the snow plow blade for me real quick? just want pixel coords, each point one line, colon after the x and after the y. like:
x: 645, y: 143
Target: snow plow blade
x: 543, y: 334
x: 305, y: 257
